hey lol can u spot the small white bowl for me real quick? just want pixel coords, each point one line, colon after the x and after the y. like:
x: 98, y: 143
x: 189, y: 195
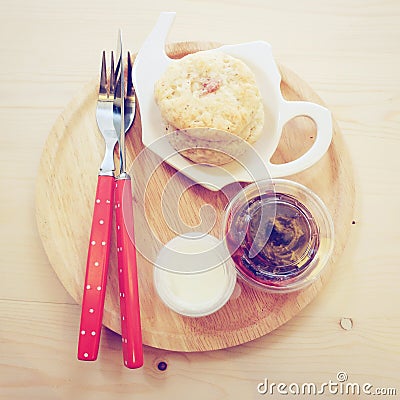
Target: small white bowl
x: 184, y: 286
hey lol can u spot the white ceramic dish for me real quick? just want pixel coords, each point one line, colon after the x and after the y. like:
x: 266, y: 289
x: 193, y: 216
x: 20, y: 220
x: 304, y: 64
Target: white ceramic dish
x: 150, y: 64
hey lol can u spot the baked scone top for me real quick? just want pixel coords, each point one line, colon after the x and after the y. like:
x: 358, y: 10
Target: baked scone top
x: 212, y: 90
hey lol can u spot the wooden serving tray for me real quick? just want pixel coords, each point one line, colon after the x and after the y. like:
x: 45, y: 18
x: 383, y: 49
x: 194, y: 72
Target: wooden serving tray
x: 64, y: 201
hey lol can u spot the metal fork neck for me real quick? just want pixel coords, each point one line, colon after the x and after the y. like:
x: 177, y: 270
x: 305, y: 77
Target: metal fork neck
x: 106, y: 173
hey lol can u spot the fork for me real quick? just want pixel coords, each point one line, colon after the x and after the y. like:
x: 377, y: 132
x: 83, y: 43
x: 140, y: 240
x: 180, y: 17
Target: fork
x: 100, y: 235
x: 124, y: 113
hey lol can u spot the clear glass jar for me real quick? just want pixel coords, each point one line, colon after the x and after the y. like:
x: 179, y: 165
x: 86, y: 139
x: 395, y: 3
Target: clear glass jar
x: 279, y: 234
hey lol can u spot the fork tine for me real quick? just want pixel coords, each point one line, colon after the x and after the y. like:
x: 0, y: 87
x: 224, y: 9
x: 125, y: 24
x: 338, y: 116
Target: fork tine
x: 116, y: 72
x: 103, y: 76
x: 112, y: 75
x: 129, y: 88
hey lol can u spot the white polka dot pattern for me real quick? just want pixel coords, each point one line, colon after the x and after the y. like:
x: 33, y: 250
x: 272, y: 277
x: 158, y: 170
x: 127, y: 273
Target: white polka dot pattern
x: 96, y: 270
x: 128, y: 284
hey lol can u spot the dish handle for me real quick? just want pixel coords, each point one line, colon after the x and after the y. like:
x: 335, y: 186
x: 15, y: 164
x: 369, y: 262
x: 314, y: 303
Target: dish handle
x: 323, y: 120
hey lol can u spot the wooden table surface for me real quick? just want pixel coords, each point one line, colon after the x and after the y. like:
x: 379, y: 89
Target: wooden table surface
x: 348, y: 51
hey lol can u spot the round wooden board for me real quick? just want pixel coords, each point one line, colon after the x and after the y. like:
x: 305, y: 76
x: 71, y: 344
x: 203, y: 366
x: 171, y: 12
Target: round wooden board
x: 64, y: 200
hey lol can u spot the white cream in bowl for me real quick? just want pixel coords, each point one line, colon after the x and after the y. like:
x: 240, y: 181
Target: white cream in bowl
x: 193, y: 276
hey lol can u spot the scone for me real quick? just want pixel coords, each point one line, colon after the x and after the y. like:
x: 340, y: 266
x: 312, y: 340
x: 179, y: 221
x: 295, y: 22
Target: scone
x: 211, y: 103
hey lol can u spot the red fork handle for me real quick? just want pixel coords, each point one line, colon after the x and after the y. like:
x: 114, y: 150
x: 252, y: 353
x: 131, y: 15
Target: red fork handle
x: 127, y: 273
x: 96, y: 270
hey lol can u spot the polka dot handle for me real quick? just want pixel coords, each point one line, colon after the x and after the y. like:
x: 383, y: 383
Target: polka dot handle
x: 96, y: 270
x: 127, y: 275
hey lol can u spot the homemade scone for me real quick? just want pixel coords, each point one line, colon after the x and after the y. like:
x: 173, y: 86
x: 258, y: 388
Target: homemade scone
x: 211, y: 106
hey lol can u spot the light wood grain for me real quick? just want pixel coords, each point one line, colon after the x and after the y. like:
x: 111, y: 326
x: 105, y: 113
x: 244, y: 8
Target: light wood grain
x: 64, y: 211
x: 348, y: 52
